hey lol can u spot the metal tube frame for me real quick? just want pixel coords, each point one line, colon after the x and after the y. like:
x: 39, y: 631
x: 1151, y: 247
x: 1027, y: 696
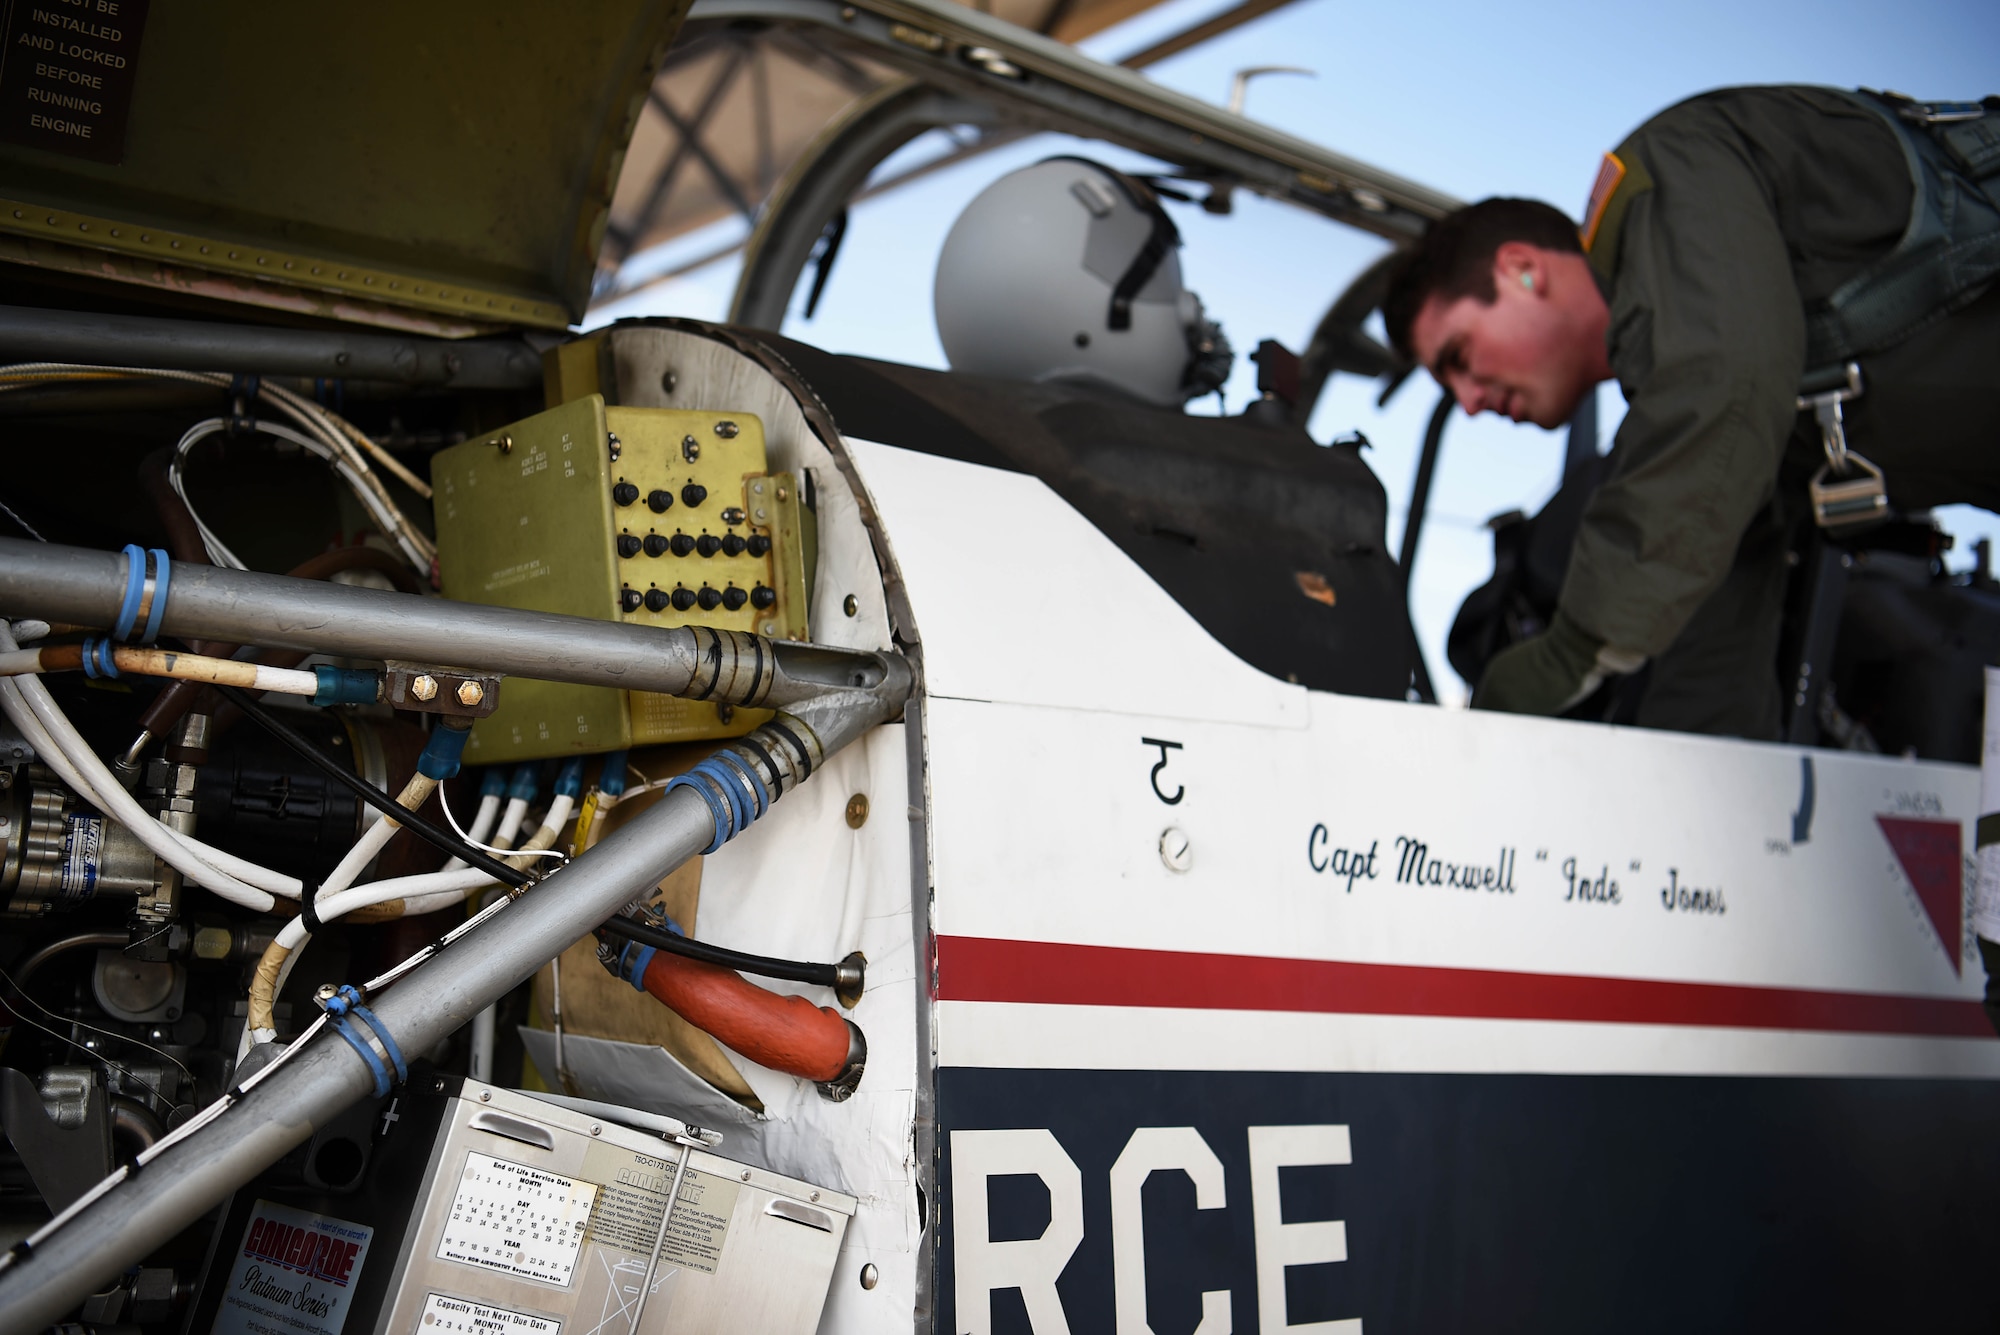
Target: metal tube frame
x: 84, y: 587
x: 196, y: 345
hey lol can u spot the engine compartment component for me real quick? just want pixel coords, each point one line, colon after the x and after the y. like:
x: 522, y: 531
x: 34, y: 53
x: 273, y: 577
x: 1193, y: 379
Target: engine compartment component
x: 59, y: 852
x: 240, y: 876
x: 649, y: 516
x: 475, y: 1207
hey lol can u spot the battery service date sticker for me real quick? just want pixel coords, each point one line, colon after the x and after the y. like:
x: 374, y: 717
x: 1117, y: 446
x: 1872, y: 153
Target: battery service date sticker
x: 461, y: 1316
x: 518, y: 1220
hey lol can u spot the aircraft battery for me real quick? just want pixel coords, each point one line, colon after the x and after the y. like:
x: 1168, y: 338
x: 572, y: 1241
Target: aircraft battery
x: 654, y: 516
x: 483, y: 1211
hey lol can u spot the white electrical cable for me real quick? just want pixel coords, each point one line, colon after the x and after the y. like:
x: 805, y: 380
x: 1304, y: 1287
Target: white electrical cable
x: 482, y: 825
x: 371, y: 842
x: 538, y: 851
x: 448, y: 886
x: 379, y: 507
x: 510, y: 824
x: 553, y: 820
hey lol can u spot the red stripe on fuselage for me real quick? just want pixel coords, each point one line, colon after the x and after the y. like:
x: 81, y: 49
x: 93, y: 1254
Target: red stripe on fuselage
x: 985, y: 969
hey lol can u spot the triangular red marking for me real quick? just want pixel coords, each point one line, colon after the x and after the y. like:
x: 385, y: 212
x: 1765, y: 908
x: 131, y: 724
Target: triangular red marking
x: 1929, y: 851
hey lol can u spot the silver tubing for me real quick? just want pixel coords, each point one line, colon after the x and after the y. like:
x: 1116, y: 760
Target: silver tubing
x: 85, y: 587
x: 124, y: 1224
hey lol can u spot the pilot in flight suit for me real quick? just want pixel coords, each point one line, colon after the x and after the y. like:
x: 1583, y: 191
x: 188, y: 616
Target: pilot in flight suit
x: 1740, y: 243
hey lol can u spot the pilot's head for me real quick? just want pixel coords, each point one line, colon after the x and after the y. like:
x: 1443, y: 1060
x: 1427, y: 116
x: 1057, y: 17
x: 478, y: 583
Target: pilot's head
x: 1067, y: 270
x: 1499, y: 302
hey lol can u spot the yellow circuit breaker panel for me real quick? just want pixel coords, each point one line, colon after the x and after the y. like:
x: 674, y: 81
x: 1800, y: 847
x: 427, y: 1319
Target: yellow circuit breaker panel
x: 657, y: 516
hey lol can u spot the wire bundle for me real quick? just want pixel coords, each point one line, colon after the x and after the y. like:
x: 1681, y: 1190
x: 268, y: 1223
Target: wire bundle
x: 316, y: 429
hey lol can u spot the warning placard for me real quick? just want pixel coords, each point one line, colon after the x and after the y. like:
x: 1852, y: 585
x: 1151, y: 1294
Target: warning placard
x: 66, y: 74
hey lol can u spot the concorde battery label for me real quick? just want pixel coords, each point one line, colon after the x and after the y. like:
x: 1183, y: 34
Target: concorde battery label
x: 66, y: 74
x: 293, y: 1274
x: 517, y: 1220
x: 461, y: 1316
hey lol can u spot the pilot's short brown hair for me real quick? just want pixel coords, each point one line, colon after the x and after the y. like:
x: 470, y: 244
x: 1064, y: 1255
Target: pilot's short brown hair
x: 1455, y: 257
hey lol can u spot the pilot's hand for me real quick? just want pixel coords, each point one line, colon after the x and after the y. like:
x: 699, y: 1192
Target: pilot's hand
x: 1549, y: 673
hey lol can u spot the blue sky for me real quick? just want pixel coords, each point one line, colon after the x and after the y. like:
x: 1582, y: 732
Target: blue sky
x: 1473, y: 99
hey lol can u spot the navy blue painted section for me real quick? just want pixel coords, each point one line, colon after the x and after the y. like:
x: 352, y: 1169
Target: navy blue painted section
x: 1546, y: 1203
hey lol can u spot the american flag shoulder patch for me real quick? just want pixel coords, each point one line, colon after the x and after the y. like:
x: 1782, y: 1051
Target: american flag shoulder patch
x: 1609, y: 174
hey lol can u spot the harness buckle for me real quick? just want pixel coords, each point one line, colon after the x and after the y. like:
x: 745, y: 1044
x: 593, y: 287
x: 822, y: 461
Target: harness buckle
x: 1843, y: 504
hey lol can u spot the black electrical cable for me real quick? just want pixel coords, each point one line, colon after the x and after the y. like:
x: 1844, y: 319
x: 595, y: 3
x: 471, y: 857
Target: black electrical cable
x: 374, y: 796
x: 796, y: 971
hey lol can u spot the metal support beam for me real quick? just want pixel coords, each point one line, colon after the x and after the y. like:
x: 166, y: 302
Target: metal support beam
x: 86, y: 588
x: 1420, y: 489
x: 1207, y: 30
x: 687, y: 129
x: 422, y: 1008
x: 820, y: 183
x: 935, y: 41
x: 690, y: 133
x: 33, y: 334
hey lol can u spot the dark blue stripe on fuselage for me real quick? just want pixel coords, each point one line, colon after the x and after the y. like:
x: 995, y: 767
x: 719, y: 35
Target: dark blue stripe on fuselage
x: 1517, y: 1202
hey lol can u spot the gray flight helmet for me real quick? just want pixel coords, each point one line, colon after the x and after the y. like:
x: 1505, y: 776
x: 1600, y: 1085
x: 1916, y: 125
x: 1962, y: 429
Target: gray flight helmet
x: 1068, y: 270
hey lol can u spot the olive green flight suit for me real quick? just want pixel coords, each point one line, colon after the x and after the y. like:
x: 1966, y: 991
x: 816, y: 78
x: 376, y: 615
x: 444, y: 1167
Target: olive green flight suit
x: 1739, y: 208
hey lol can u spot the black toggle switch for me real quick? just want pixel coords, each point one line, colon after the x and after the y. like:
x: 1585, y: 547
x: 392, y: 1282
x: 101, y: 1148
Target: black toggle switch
x: 628, y: 545
x: 624, y: 493
x: 733, y: 545
x: 631, y: 599
x: 694, y: 493
x: 710, y: 599
x: 659, y: 501
x: 656, y: 545
x: 759, y: 544
x: 734, y: 598
x: 684, y: 599
x: 656, y: 600
x: 708, y: 544
x: 682, y: 544
x: 733, y: 515
x: 763, y: 596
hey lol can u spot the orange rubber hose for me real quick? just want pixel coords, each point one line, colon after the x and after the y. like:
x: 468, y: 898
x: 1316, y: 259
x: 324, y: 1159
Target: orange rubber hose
x: 784, y: 1033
